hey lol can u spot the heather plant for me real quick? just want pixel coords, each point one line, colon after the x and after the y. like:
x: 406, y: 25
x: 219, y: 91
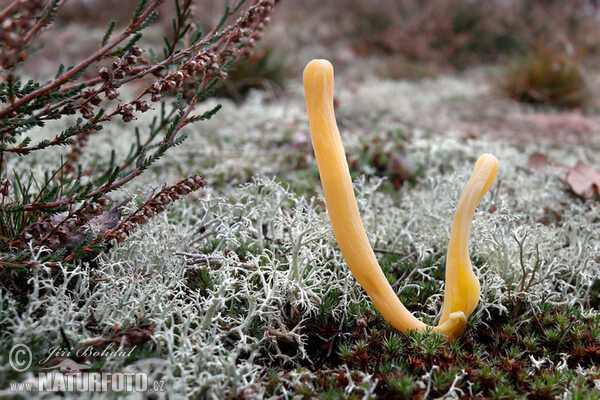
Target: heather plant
x: 65, y: 212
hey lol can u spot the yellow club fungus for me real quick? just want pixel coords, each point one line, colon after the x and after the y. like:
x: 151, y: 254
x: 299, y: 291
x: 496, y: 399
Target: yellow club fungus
x: 462, y: 287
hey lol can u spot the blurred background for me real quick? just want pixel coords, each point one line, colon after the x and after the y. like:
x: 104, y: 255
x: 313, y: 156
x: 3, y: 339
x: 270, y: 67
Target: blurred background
x: 545, y: 46
x: 539, y: 53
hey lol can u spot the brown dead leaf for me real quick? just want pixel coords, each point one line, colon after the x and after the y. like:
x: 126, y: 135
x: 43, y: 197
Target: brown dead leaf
x: 538, y: 162
x: 70, y: 239
x: 584, y: 181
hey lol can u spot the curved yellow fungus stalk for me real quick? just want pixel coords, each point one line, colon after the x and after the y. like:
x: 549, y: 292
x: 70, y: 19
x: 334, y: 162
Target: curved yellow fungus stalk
x: 462, y: 287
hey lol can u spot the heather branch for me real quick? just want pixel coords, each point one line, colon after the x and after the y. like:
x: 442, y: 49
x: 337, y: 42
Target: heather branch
x: 237, y: 34
x: 152, y: 206
x: 45, y: 113
x: 191, y: 72
x: 182, y: 15
x: 45, y: 231
x: 110, y: 186
x: 196, y: 47
x: 8, y: 9
x: 65, y: 77
x: 154, y: 130
x: 90, y: 82
x: 155, y: 205
x: 20, y: 264
x: 58, y: 140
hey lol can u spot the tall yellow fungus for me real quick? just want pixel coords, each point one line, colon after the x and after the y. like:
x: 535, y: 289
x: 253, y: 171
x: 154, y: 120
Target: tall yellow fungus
x: 462, y: 287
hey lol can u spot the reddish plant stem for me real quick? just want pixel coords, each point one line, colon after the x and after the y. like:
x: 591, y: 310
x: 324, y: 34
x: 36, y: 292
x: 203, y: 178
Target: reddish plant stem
x: 143, y: 71
x: 9, y: 264
x: 8, y: 9
x: 97, y: 80
x: 20, y: 149
x: 180, y: 21
x: 178, y: 56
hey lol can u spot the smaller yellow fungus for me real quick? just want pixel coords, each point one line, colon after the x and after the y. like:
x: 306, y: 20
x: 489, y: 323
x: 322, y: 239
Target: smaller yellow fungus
x: 462, y: 287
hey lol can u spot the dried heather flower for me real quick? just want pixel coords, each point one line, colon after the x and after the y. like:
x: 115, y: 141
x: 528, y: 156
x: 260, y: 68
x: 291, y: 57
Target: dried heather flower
x: 168, y: 85
x: 112, y: 93
x: 104, y: 73
x: 86, y: 113
x: 136, y: 51
x: 87, y: 93
x: 178, y: 76
x: 120, y: 73
x: 156, y: 87
x: 142, y: 106
x: 129, y: 58
x: 95, y: 100
x: 156, y: 204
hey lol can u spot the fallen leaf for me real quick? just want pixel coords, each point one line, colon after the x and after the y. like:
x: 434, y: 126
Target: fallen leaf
x: 538, y: 162
x: 584, y: 181
x: 70, y: 239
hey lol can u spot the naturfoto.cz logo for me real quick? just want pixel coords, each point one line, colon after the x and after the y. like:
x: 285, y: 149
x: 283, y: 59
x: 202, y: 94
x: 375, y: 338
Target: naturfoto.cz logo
x: 70, y: 376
